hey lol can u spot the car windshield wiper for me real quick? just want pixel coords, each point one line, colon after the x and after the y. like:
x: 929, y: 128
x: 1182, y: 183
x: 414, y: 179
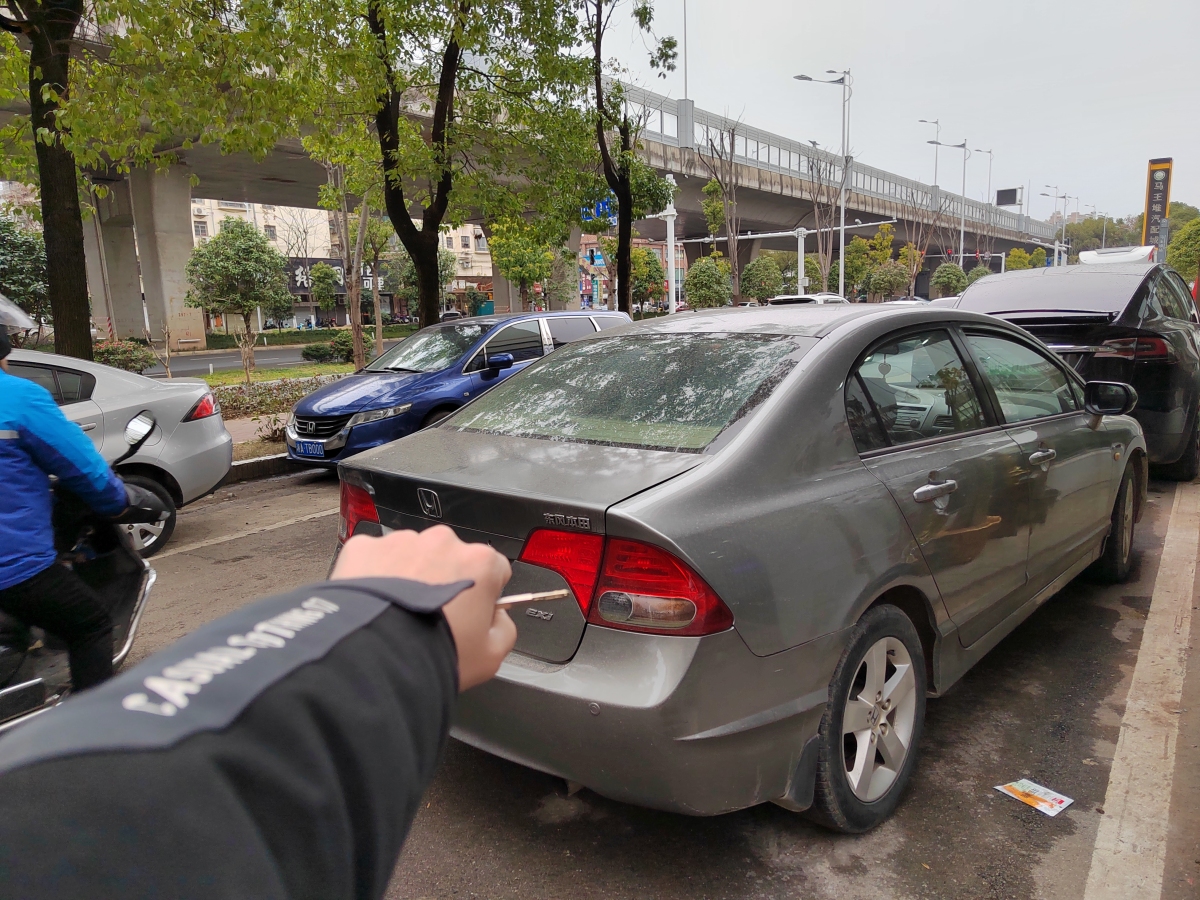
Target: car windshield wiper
x: 401, y: 369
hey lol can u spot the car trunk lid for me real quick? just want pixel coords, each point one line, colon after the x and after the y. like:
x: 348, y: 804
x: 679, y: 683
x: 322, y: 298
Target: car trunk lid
x: 498, y: 489
x: 1079, y: 339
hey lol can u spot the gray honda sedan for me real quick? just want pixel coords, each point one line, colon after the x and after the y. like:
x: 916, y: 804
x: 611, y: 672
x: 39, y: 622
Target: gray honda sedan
x: 781, y: 530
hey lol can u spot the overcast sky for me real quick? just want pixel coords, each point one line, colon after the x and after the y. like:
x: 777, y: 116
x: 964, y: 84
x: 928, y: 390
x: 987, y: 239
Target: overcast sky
x: 1075, y: 93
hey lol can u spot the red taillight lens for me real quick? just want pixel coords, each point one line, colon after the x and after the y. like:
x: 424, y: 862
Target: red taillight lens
x: 206, y: 406
x: 1139, y: 348
x: 357, y: 506
x: 574, y: 556
x: 644, y: 588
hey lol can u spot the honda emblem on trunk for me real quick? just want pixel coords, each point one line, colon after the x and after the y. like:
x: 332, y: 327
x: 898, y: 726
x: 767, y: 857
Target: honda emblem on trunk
x: 430, y: 504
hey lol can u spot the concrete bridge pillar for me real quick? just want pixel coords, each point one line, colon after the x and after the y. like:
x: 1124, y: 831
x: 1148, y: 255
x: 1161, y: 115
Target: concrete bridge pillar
x: 108, y: 243
x: 163, y: 224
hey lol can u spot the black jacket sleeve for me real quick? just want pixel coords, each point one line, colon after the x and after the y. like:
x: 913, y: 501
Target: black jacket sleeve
x: 279, y: 752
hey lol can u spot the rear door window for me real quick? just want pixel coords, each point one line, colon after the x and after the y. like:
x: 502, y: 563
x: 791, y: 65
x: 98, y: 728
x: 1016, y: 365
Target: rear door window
x: 1027, y: 384
x: 910, y: 389
x: 43, y: 375
x: 522, y: 339
x: 569, y: 328
x: 74, y: 386
x: 1182, y: 296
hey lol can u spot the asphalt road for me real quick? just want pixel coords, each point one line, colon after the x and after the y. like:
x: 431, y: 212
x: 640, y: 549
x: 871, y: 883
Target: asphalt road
x: 1048, y: 703
x: 283, y: 356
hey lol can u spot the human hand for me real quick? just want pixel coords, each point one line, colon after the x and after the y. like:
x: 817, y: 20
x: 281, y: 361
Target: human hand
x: 482, y: 633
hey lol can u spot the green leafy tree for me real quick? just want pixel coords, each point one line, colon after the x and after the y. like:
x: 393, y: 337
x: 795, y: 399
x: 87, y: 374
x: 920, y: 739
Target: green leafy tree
x: 323, y: 286
x: 1037, y: 259
x: 377, y: 241
x: 1183, y: 253
x: 761, y: 279
x: 647, y: 275
x: 913, y: 260
x: 1017, y: 260
x: 949, y: 279
x: 712, y: 204
x: 520, y: 255
x: 235, y: 273
x: 858, y: 262
x: 1091, y: 233
x: 23, y: 268
x: 887, y: 279
x: 812, y: 271
x: 707, y: 284
x: 980, y: 271
x: 881, y: 245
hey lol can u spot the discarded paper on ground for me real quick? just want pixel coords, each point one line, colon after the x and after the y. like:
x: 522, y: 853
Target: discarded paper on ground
x: 1040, y: 798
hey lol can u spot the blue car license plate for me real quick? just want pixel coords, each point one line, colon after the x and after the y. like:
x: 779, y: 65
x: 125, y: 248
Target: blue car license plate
x: 310, y: 448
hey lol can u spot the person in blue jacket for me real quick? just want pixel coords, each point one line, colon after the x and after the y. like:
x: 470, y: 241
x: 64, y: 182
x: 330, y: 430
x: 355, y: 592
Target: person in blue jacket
x: 37, y: 441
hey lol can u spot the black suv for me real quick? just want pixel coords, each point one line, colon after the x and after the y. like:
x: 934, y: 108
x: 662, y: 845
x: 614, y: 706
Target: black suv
x: 1134, y: 323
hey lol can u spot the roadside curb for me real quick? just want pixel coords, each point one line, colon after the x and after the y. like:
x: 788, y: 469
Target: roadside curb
x: 262, y: 467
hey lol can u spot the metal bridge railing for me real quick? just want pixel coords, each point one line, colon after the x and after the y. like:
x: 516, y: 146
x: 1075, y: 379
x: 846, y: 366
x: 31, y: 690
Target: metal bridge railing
x: 664, y: 120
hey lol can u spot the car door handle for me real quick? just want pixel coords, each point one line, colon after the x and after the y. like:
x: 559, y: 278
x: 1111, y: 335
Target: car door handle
x: 927, y: 492
x: 1040, y: 457
x: 88, y: 426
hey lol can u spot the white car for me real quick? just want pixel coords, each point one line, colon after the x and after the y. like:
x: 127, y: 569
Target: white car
x: 819, y: 298
x: 187, y: 456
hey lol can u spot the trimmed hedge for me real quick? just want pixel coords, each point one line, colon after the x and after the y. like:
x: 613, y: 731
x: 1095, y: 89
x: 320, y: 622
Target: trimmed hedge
x: 222, y: 341
x: 131, y: 356
x: 265, y: 398
x: 318, y: 352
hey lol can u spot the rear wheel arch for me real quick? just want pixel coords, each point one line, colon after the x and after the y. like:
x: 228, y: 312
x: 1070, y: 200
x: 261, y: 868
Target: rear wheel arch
x: 913, y: 603
x: 156, y: 474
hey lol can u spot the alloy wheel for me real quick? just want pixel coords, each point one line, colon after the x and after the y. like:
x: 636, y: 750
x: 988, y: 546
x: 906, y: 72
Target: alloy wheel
x: 145, y: 535
x: 1127, y: 522
x: 877, y: 726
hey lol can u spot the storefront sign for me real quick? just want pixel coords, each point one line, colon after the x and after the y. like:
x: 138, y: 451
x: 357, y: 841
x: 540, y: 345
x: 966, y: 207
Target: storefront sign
x: 1158, y: 199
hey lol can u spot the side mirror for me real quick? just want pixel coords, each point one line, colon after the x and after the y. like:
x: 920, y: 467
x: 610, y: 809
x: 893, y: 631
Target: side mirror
x: 498, y: 361
x: 139, y: 428
x: 1109, y: 398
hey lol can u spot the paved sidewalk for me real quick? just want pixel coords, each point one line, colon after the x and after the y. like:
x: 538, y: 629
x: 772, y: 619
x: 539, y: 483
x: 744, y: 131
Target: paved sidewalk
x: 242, y: 430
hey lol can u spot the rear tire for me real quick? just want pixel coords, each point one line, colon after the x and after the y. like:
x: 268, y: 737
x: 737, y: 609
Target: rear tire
x: 1187, y: 467
x: 1114, y: 564
x: 868, y: 738
x: 149, y: 539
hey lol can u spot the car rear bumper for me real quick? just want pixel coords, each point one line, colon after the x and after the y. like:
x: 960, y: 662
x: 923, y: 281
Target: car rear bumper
x: 198, y: 456
x: 1166, y: 433
x: 691, y: 725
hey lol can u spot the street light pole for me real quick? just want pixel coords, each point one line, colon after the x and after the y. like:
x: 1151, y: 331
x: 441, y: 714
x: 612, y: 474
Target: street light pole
x: 685, y: 55
x: 669, y: 214
x: 845, y: 81
x: 962, y: 223
x: 937, y: 146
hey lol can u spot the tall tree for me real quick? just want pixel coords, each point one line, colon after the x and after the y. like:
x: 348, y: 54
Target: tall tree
x: 823, y: 187
x: 378, y: 240
x: 236, y: 272
x: 762, y: 279
x: 48, y: 27
x: 720, y: 194
x: 520, y: 255
x: 637, y: 188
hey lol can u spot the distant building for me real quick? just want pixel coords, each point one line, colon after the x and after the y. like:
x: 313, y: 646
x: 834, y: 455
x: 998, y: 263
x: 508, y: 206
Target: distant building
x: 598, y: 273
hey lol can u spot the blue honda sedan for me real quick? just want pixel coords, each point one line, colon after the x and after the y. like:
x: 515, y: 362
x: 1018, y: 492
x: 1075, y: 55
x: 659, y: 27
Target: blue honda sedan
x: 426, y: 377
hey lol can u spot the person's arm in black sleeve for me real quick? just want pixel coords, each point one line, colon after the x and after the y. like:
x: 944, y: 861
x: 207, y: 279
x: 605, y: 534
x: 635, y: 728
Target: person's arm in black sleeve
x: 279, y: 752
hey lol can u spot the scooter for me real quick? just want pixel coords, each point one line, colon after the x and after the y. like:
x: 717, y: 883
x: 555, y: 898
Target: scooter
x: 34, y: 672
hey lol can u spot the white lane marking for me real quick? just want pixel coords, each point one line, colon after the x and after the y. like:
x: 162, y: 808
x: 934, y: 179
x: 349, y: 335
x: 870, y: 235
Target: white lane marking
x: 198, y: 545
x: 1132, y: 841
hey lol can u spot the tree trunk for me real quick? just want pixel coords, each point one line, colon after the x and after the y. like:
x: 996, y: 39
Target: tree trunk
x: 624, y: 297
x: 62, y: 225
x: 245, y: 342
x: 429, y: 279
x: 378, y: 308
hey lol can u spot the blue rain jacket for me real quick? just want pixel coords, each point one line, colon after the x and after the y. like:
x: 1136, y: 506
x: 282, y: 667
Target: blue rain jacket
x: 37, y: 441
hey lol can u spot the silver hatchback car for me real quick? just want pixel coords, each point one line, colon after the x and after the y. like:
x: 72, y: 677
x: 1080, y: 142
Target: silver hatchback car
x: 781, y: 529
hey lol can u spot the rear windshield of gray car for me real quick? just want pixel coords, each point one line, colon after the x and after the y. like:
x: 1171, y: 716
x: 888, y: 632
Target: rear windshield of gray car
x: 661, y: 392
x: 1107, y: 292
x: 431, y: 349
